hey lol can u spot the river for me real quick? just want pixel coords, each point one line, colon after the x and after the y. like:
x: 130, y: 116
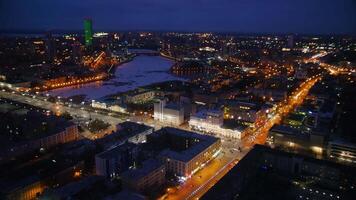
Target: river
x: 142, y: 70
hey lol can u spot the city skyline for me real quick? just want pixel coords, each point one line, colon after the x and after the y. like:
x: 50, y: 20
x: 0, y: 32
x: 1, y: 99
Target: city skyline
x: 318, y: 17
x: 178, y: 99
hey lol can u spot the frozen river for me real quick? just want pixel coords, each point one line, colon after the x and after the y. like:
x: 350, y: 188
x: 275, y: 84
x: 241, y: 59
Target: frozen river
x: 141, y: 71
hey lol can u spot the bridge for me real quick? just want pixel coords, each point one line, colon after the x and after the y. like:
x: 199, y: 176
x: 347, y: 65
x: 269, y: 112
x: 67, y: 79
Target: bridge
x: 147, y: 52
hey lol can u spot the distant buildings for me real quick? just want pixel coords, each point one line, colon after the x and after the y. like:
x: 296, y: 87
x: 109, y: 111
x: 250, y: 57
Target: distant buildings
x: 140, y: 96
x: 88, y: 32
x: 290, y: 41
x: 269, y: 93
x: 189, y: 68
x: 169, y: 113
x: 77, y: 52
x: 50, y: 44
x: 300, y: 74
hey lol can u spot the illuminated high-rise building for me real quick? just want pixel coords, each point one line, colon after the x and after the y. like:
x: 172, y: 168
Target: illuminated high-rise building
x: 88, y: 32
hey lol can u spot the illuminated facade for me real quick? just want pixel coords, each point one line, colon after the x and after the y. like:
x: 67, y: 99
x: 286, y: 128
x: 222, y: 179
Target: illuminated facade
x: 212, y: 122
x: 140, y: 96
x: 108, y: 106
x: 66, y: 81
x: 242, y: 111
x: 172, y: 114
x: 88, y: 32
x: 342, y: 151
x: 294, y: 139
x: 188, y: 153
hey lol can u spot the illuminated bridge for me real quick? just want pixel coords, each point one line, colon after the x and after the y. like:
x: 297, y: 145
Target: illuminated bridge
x: 147, y: 52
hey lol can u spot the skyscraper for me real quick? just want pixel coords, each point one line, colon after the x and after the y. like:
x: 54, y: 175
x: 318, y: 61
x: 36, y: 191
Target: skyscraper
x: 88, y: 32
x: 50, y: 47
x: 290, y: 41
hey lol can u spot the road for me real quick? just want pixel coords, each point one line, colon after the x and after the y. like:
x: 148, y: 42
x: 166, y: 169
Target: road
x: 195, y: 187
x: 204, y: 179
x: 332, y: 69
x: 80, y: 113
x: 258, y: 134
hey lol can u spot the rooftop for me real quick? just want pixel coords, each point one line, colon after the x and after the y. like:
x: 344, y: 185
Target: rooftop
x: 115, y: 151
x: 203, y: 114
x: 204, y: 141
x: 125, y: 130
x: 127, y: 195
x: 288, y: 130
x: 22, y: 122
x: 147, y: 167
x: 251, y: 178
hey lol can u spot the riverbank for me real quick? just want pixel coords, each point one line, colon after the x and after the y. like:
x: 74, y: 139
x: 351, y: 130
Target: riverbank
x: 141, y: 71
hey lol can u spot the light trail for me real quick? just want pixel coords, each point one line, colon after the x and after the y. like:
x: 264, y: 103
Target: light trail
x: 258, y: 134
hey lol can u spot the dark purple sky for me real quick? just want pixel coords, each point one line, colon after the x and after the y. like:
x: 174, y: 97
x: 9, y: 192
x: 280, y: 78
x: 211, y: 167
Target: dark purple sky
x: 251, y: 16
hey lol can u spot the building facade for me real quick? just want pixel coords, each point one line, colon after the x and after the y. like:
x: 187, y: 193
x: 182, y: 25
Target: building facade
x: 172, y: 114
x: 88, y: 32
x: 184, y: 152
x: 342, y: 151
x: 212, y: 122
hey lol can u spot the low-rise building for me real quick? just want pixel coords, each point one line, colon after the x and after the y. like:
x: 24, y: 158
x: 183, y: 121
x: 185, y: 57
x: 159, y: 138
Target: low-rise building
x: 149, y: 176
x: 294, y: 139
x: 112, y: 162
x: 342, y: 151
x: 281, y: 175
x: 242, y: 111
x: 268, y: 93
x: 169, y: 113
x: 126, y: 132
x: 110, y: 106
x: 184, y: 152
x: 140, y: 96
x: 39, y: 131
x: 212, y: 122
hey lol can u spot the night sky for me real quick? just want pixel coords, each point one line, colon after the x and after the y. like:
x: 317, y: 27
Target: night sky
x: 243, y: 16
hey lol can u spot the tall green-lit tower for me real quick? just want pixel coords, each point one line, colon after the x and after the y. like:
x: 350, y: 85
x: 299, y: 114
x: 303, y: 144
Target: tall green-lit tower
x: 88, y: 32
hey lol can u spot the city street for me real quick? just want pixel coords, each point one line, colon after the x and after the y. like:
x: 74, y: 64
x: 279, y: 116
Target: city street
x: 204, y: 179
x: 258, y: 134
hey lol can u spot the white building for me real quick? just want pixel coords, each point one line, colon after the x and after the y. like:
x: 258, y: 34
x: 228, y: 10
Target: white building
x: 100, y: 105
x: 106, y: 106
x: 168, y: 113
x: 212, y: 122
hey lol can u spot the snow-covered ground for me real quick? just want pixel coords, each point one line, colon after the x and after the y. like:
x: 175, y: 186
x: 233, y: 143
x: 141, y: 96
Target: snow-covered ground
x: 141, y: 71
